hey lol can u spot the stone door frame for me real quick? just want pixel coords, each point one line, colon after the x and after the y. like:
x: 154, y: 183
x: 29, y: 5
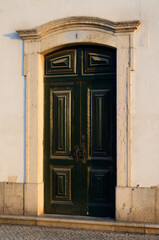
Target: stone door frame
x: 55, y: 35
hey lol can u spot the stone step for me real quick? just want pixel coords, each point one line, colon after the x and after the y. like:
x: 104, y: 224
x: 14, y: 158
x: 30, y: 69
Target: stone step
x: 80, y: 222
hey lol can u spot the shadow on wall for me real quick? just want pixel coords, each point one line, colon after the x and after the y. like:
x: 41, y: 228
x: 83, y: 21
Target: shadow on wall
x: 13, y: 35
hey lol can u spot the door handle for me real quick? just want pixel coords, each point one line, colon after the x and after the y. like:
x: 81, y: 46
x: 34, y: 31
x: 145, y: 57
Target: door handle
x: 80, y: 153
x: 76, y: 153
x: 83, y: 153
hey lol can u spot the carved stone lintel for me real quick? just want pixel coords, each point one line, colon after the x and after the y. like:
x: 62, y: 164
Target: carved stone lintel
x: 115, y: 27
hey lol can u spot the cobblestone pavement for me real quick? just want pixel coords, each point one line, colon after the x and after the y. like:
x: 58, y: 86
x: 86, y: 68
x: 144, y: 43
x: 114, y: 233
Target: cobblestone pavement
x: 12, y: 232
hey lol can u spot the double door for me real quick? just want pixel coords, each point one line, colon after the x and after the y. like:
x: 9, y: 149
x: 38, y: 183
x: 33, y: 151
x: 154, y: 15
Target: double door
x: 80, y: 134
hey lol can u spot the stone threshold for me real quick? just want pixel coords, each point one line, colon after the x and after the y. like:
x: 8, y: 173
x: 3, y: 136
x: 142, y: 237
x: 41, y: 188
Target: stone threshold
x: 78, y: 222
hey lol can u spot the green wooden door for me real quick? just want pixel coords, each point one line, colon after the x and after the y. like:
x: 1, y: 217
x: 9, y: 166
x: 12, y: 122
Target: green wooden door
x: 80, y: 131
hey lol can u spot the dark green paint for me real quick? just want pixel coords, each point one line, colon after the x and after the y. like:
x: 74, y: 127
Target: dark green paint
x: 75, y: 183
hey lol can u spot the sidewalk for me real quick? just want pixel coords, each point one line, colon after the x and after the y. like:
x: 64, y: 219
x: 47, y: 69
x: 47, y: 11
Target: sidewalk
x: 22, y: 232
x: 62, y: 227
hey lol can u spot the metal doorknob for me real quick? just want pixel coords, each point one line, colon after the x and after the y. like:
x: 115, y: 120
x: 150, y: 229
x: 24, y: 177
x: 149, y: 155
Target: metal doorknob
x: 76, y: 153
x: 80, y: 153
x: 83, y: 151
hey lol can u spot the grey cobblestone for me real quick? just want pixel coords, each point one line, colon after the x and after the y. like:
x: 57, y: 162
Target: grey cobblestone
x: 18, y: 232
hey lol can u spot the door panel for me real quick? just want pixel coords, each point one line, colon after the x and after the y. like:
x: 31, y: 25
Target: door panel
x: 99, y: 121
x: 100, y: 195
x: 61, y: 184
x: 60, y: 122
x: 61, y: 63
x: 98, y: 124
x: 80, y: 135
x: 62, y: 173
x: 97, y: 61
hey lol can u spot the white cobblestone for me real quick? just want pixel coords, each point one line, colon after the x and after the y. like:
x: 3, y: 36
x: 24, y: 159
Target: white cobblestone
x: 18, y: 232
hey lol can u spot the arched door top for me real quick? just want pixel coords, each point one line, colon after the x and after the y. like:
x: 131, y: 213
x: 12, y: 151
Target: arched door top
x: 114, y: 27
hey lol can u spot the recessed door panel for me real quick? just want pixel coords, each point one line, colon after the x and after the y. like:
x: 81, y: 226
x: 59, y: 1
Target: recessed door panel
x: 99, y: 182
x: 99, y: 124
x: 61, y: 63
x: 60, y: 122
x: 98, y: 61
x: 60, y: 184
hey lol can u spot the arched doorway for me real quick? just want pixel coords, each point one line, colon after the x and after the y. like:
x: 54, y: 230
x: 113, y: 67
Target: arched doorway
x: 80, y: 131
x: 52, y: 36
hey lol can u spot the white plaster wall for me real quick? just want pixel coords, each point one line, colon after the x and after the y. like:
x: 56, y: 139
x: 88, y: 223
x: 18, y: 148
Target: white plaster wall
x: 24, y: 14
x: 145, y: 165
